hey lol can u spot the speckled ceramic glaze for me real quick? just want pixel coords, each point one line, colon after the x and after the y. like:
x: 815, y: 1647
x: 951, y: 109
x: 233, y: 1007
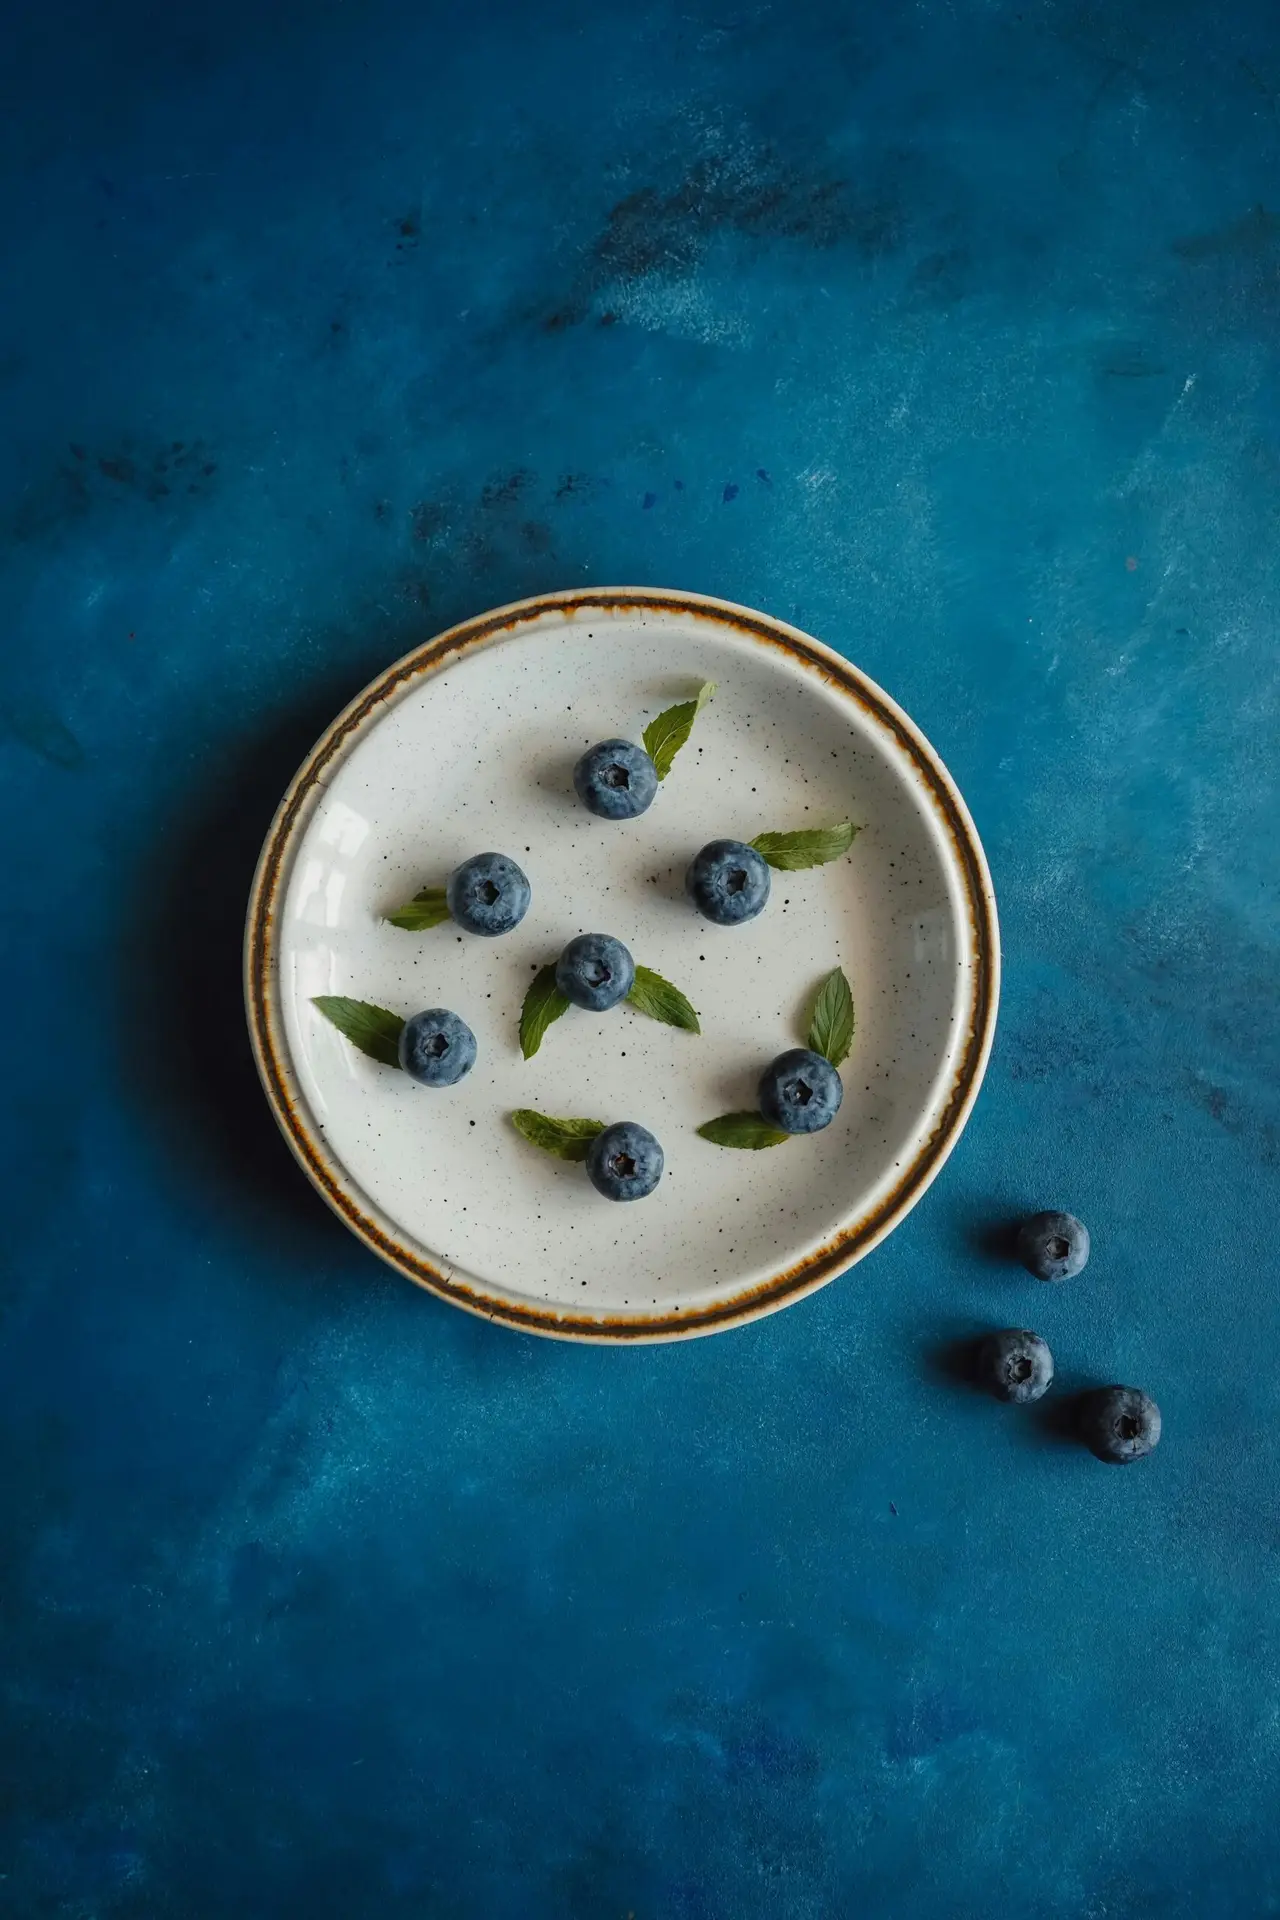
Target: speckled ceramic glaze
x: 468, y: 744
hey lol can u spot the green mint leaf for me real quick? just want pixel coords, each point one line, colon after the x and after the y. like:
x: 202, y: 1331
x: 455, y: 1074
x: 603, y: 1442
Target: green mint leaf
x: 543, y: 1003
x: 567, y: 1139
x: 426, y: 909
x: 811, y: 847
x: 831, y: 1028
x: 657, y: 997
x: 747, y: 1130
x: 664, y: 737
x: 372, y: 1029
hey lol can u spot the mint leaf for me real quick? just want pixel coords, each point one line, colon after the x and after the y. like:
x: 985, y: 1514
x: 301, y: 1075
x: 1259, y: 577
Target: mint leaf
x: 812, y: 847
x: 372, y: 1029
x: 426, y: 909
x: 543, y: 1003
x: 664, y: 737
x: 742, y: 1130
x: 657, y: 997
x: 567, y: 1139
x: 831, y: 1028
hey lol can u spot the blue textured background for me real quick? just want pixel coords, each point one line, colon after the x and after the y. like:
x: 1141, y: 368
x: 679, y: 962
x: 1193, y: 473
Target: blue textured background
x: 949, y: 331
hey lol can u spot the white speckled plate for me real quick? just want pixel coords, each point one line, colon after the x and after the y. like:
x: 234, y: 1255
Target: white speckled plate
x: 468, y: 745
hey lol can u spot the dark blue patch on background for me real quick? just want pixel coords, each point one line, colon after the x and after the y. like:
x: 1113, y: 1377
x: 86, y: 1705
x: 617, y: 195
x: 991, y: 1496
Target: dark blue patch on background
x: 325, y: 327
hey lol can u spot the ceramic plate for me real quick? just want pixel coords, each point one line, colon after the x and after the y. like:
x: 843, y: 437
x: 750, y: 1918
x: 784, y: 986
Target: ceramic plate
x: 467, y: 745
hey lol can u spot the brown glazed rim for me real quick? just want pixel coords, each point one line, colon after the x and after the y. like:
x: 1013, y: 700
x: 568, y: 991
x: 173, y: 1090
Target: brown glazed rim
x: 266, y: 1026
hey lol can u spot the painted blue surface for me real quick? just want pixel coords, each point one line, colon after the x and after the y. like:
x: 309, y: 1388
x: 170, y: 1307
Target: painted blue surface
x: 949, y: 331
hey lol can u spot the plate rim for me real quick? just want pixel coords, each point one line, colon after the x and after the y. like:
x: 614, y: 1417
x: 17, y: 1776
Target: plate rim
x: 356, y: 1209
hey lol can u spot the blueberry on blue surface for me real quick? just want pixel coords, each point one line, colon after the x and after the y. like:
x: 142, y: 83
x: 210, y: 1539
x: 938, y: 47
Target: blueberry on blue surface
x: 1119, y: 1424
x: 595, y: 971
x: 615, y: 780
x: 436, y: 1048
x: 1015, y: 1365
x: 624, y: 1162
x: 728, y: 882
x: 800, y: 1092
x: 1053, y: 1246
x: 488, y: 894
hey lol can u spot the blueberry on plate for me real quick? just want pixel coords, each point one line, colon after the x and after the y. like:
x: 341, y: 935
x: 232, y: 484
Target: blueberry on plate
x: 728, y: 882
x: 488, y: 894
x: 1015, y: 1365
x: 801, y: 1092
x: 624, y: 1162
x: 595, y: 971
x: 436, y: 1048
x: 1119, y: 1424
x: 615, y: 780
x: 1053, y: 1246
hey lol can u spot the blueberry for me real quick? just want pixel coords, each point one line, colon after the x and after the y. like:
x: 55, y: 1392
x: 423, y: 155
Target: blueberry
x: 615, y: 780
x: 1053, y: 1246
x: 436, y: 1048
x: 800, y: 1092
x: 729, y: 882
x: 595, y: 971
x: 1015, y: 1365
x: 624, y: 1162
x: 488, y: 894
x: 1119, y: 1424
